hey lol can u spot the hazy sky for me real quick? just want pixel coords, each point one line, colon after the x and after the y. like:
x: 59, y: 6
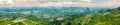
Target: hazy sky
x: 61, y: 2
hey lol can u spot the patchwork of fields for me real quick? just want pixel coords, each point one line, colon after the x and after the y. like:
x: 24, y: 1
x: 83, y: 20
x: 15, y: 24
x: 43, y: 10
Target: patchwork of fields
x: 59, y: 16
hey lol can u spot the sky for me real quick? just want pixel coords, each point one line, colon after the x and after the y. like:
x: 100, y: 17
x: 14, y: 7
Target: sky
x: 62, y: 2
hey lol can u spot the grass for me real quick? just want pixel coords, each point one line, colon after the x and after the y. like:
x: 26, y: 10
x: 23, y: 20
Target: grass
x: 108, y: 17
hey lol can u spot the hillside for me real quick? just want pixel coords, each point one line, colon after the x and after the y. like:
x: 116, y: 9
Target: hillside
x: 48, y: 16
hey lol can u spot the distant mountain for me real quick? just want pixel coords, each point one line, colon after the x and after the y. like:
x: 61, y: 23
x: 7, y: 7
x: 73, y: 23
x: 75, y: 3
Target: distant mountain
x: 16, y: 9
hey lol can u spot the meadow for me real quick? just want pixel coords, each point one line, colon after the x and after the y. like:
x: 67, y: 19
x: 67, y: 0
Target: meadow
x: 59, y: 16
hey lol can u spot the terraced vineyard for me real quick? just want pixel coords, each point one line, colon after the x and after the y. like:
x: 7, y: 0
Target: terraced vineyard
x: 59, y: 16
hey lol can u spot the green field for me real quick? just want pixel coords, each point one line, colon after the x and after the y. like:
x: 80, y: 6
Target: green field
x: 107, y: 17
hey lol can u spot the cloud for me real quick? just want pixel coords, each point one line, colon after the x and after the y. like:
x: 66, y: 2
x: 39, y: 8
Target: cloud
x: 107, y: 2
x: 86, y: 0
x: 63, y: 2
